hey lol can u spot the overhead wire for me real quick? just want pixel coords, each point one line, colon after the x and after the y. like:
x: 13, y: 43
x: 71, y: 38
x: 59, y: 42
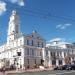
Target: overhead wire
x: 36, y: 13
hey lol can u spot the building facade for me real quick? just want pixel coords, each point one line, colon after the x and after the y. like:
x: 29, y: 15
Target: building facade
x: 25, y: 51
x: 57, y: 54
x: 21, y: 50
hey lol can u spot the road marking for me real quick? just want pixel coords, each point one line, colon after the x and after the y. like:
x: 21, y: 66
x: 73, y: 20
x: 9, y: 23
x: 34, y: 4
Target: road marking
x: 61, y: 73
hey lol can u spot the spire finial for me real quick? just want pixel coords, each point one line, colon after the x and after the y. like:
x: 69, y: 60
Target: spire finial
x: 34, y: 31
x: 14, y: 12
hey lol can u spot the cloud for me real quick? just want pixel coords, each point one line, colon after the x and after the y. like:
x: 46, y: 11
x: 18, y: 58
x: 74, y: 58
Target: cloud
x: 14, y: 1
x: 19, y: 2
x: 67, y: 24
x: 2, y: 7
x: 57, y: 39
x: 59, y: 42
x: 58, y: 26
x: 63, y: 26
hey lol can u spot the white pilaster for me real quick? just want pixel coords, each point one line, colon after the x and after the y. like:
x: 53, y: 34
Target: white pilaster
x: 57, y: 62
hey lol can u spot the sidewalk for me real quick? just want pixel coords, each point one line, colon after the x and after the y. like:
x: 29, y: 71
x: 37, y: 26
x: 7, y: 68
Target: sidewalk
x: 28, y: 70
x: 2, y: 73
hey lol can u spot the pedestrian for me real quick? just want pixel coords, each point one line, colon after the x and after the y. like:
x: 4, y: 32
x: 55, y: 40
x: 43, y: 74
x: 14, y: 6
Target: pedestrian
x: 3, y: 69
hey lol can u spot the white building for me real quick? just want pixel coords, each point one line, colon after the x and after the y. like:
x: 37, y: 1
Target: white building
x: 21, y: 50
x: 59, y: 53
x: 27, y: 50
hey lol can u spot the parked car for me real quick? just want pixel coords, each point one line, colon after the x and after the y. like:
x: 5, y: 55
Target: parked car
x: 71, y: 67
x: 63, y: 67
x: 66, y: 67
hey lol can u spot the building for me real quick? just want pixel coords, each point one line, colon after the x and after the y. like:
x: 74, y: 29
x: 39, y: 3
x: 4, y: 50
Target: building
x: 24, y: 51
x: 59, y: 53
x: 21, y: 50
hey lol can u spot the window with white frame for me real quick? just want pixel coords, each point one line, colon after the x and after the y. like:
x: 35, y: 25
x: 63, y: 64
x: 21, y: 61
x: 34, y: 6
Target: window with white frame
x: 38, y: 44
x: 42, y: 45
x: 20, y: 42
x: 27, y: 51
x: 32, y: 52
x: 27, y: 42
x: 32, y: 42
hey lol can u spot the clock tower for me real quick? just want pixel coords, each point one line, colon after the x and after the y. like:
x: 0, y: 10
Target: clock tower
x: 13, y: 27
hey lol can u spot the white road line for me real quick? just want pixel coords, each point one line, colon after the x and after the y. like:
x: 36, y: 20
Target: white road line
x: 61, y: 73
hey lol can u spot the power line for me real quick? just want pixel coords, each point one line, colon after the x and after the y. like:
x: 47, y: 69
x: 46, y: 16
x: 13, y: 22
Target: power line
x: 37, y: 13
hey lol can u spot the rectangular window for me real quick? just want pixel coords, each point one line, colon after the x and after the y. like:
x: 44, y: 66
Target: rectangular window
x: 60, y: 53
x: 60, y: 62
x: 32, y: 42
x: 35, y: 61
x: 53, y: 62
x: 28, y: 61
x: 38, y: 44
x: 18, y: 53
x: 40, y: 53
x: 42, y: 45
x: 32, y: 52
x: 72, y: 51
x: 20, y: 42
x: 64, y: 54
x: 27, y: 42
x: 47, y: 53
x: 28, y: 51
x: 52, y: 53
x: 57, y: 53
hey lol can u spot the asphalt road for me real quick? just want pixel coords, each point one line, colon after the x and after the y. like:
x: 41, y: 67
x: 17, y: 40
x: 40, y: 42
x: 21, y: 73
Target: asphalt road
x: 47, y: 73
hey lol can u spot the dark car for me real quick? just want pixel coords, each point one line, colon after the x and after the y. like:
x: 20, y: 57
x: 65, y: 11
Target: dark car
x: 66, y: 67
x: 63, y: 67
x: 71, y: 67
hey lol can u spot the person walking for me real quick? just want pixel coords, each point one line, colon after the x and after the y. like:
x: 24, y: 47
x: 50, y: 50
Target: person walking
x: 3, y: 70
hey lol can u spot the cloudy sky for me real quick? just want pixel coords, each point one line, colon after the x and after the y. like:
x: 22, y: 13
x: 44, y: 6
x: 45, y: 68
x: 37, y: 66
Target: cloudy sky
x: 50, y: 18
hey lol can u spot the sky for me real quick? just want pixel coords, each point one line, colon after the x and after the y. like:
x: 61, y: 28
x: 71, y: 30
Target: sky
x: 52, y: 19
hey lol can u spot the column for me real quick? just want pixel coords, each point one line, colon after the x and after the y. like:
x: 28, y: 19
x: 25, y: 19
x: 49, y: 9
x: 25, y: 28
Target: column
x: 50, y: 63
x: 57, y: 62
x: 63, y: 62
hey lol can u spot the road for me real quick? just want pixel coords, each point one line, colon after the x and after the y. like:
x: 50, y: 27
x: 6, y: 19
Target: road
x: 2, y: 73
x: 47, y: 73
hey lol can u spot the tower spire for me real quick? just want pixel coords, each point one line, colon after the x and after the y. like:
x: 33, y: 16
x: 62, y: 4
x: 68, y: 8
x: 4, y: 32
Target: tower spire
x: 14, y: 26
x: 14, y: 12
